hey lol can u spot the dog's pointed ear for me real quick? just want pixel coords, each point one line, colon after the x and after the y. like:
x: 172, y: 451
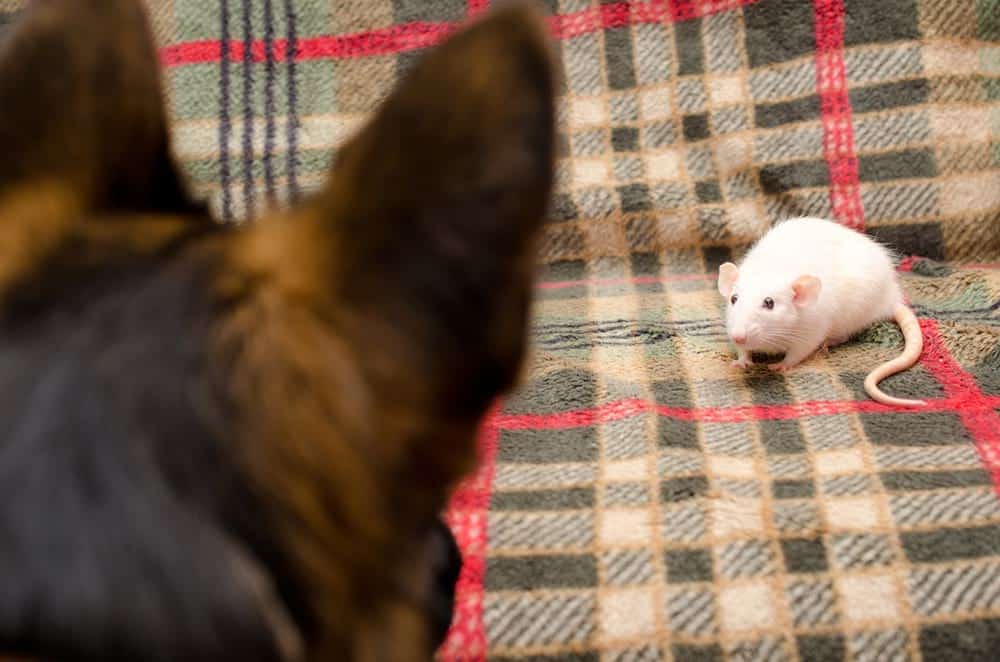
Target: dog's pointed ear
x: 430, y: 222
x: 82, y: 107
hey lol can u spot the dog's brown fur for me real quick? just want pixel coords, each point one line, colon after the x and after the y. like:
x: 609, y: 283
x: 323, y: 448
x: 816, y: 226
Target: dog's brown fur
x: 281, y: 410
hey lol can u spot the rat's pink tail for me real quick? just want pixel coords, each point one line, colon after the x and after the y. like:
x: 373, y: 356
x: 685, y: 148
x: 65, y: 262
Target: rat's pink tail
x: 913, y: 346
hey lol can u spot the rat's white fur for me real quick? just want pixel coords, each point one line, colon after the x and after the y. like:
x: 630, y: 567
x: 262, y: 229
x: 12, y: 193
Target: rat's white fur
x: 828, y: 283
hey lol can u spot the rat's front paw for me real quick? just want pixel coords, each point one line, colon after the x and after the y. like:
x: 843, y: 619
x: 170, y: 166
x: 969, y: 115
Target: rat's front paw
x: 742, y: 364
x: 778, y: 367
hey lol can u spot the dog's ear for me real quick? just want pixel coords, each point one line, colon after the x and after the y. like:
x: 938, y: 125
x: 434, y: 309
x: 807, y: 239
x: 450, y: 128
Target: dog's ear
x: 82, y: 107
x: 433, y: 212
x: 427, y: 230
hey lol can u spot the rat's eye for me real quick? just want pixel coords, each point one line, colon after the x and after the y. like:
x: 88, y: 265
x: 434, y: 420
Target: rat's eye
x: 733, y: 299
x: 769, y: 303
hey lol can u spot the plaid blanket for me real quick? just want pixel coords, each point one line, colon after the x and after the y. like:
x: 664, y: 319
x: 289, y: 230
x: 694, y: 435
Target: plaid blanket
x: 638, y: 499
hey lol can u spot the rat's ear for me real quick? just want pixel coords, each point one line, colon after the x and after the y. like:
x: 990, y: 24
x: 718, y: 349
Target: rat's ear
x: 82, y: 108
x: 728, y: 273
x: 806, y: 290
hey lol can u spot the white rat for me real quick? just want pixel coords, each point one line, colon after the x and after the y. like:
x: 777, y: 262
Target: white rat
x: 810, y: 284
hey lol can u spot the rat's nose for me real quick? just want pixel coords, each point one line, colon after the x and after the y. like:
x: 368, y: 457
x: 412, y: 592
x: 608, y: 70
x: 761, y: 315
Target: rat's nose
x: 739, y: 338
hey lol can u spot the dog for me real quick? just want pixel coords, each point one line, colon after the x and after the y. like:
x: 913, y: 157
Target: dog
x: 235, y: 442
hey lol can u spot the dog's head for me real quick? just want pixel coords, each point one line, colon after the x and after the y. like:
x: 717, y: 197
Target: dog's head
x: 236, y: 443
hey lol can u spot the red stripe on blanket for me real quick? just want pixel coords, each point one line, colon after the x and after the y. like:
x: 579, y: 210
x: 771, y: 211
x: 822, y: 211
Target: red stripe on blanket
x: 838, y: 132
x: 620, y: 409
x: 976, y: 409
x: 397, y: 39
x: 467, y: 518
x: 413, y: 36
